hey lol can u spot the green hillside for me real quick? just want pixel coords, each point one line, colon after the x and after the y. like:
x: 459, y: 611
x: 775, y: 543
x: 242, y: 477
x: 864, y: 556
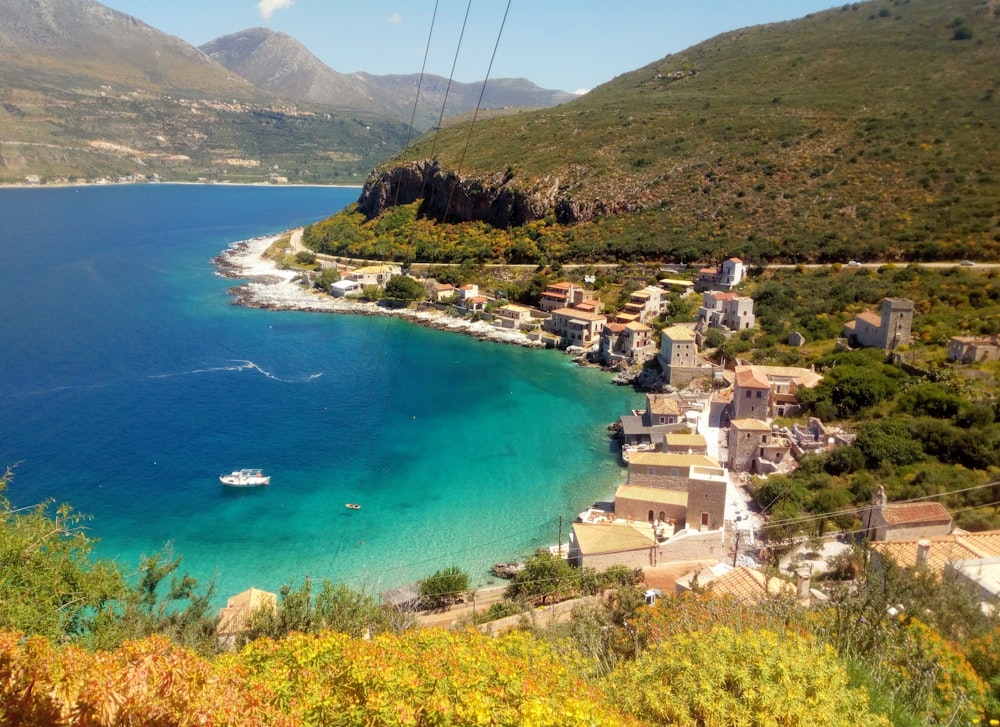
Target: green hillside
x: 868, y: 131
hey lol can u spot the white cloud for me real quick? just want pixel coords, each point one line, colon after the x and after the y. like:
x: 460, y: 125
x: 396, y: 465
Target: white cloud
x: 581, y: 91
x: 395, y: 18
x: 267, y: 7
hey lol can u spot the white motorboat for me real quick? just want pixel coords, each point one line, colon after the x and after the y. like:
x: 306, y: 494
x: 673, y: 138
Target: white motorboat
x: 245, y: 478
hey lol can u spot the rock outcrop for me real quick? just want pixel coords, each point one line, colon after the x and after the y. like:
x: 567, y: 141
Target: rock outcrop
x: 498, y: 200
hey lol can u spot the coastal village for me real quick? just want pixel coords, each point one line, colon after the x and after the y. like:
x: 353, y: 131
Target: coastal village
x: 684, y: 514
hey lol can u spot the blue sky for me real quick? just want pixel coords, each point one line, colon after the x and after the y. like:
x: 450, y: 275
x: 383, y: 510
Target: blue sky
x: 565, y: 44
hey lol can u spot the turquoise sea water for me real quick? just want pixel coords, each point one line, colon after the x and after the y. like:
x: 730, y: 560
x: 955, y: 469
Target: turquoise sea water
x: 129, y: 382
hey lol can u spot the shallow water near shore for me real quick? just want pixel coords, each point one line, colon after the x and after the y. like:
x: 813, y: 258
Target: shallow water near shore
x: 130, y: 382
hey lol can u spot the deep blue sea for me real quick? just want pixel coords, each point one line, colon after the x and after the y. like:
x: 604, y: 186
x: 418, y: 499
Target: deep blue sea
x: 129, y: 382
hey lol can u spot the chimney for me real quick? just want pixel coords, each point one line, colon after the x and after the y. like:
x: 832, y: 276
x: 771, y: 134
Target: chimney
x: 802, y: 581
x: 923, y: 552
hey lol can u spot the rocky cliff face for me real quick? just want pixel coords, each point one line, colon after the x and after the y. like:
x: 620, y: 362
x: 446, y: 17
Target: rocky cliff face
x: 496, y: 200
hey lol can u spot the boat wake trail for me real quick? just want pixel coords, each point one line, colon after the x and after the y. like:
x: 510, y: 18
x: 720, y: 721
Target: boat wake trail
x: 242, y: 365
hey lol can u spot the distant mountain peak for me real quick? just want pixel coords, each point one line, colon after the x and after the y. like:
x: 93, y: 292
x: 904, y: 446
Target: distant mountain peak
x: 280, y: 64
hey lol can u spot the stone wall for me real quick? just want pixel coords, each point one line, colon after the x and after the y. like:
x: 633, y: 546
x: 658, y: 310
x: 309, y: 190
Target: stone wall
x: 694, y: 546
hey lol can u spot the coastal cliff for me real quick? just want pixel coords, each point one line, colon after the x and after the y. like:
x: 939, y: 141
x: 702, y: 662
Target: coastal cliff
x: 499, y: 199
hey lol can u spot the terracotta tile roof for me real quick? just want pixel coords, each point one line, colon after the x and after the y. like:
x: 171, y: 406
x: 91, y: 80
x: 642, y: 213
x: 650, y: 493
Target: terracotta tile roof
x: 615, y: 327
x: 904, y: 513
x: 748, y: 585
x: 659, y: 495
x: 801, y: 376
x: 663, y: 405
x: 851, y: 325
x: 750, y: 425
x: 561, y: 286
x: 735, y: 260
x: 595, y: 538
x: 636, y: 326
x: 678, y: 333
x: 748, y: 378
x: 687, y: 440
x: 709, y: 271
x: 672, y: 459
x: 944, y: 549
x: 581, y: 314
x: 870, y: 318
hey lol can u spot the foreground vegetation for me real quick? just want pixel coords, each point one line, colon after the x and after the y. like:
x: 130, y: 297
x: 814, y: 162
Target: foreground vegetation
x: 332, y: 656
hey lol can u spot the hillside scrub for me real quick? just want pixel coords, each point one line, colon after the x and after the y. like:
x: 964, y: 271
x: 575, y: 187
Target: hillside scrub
x: 848, y: 134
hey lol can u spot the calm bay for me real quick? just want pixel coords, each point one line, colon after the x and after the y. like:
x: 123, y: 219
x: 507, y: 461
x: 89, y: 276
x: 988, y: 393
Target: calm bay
x: 129, y: 382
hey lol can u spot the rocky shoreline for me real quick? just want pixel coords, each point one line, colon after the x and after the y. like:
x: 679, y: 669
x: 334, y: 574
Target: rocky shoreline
x: 272, y: 288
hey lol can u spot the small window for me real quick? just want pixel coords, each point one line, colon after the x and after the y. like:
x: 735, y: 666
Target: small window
x: 663, y: 420
x: 673, y: 472
x: 759, y: 394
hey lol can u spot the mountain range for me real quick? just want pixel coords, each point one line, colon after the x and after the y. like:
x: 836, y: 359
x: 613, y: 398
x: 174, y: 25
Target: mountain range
x: 280, y: 64
x: 88, y: 92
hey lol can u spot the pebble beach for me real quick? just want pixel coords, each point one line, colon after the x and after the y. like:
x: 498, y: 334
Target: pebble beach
x: 271, y: 287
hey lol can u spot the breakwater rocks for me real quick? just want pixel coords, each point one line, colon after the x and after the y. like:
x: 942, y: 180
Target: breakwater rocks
x: 272, y: 288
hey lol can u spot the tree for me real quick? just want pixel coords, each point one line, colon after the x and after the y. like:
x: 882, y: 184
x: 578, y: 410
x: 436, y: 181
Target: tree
x: 544, y: 576
x: 714, y: 338
x: 48, y: 584
x: 180, y: 612
x: 445, y: 587
x: 403, y: 287
x: 334, y: 607
x: 888, y: 440
x: 371, y: 293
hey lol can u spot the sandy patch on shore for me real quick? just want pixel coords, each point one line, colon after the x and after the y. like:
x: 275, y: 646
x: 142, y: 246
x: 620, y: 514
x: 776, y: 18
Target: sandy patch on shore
x: 270, y: 287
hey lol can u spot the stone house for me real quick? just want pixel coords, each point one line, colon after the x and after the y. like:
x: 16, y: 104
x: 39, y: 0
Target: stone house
x: 440, y: 291
x: 236, y: 614
x: 751, y: 395
x: 474, y: 304
x: 601, y: 545
x: 678, y: 356
x: 968, y: 349
x: 374, y: 274
x: 727, y: 311
x: 754, y: 447
x: 630, y: 342
x: 887, y: 331
x: 904, y: 520
x: 663, y: 413
x: 701, y: 477
x: 345, y: 287
x: 567, y: 295
x: 643, y: 305
x: 681, y: 443
x: 972, y: 560
x: 725, y: 277
x: 512, y: 316
x: 783, y: 383
x: 575, y: 327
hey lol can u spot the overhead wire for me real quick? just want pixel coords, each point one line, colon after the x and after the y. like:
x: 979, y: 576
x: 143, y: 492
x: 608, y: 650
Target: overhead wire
x: 475, y: 115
